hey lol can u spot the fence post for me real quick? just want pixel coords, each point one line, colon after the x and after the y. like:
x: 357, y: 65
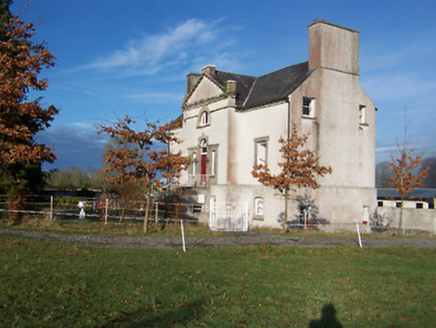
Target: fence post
x: 156, y: 211
x: 105, y: 211
x: 51, y: 208
x: 183, y: 236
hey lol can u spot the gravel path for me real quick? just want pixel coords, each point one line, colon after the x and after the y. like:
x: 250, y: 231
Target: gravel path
x: 235, y: 240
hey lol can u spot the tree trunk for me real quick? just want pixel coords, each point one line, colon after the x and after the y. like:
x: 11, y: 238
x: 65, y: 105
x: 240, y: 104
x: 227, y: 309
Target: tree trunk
x: 147, y: 210
x: 285, y: 216
x: 401, y: 219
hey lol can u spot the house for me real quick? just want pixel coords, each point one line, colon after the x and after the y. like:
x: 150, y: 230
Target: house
x: 232, y: 121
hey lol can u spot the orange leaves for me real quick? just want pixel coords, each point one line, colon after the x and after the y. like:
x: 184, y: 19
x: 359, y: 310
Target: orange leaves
x: 21, y: 61
x: 298, y: 167
x: 405, y: 179
x: 139, y: 156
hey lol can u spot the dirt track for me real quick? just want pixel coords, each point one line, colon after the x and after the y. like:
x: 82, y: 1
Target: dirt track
x: 234, y: 240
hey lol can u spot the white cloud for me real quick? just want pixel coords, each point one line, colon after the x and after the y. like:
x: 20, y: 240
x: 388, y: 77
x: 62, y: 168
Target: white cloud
x: 179, y: 46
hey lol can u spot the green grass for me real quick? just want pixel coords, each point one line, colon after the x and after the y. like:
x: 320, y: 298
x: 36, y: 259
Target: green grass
x: 55, y: 285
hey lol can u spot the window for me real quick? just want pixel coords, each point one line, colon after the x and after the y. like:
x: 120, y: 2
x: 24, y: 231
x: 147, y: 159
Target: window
x: 204, y: 118
x: 194, y: 163
x: 308, y: 107
x: 212, y: 162
x: 362, y: 115
x: 261, y: 152
x: 419, y: 205
x: 258, y: 206
x: 203, y: 162
x: 380, y: 204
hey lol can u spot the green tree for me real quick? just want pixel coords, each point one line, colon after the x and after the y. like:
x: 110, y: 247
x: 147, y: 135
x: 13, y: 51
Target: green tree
x: 299, y: 168
x: 134, y: 157
x: 21, y: 62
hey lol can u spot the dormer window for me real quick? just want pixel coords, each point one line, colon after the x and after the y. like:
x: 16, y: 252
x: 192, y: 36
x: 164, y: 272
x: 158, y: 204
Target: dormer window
x: 204, y: 118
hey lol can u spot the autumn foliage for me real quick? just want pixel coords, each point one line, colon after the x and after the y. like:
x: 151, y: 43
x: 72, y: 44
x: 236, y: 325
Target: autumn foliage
x: 21, y: 62
x: 405, y: 177
x: 140, y: 158
x: 299, y: 168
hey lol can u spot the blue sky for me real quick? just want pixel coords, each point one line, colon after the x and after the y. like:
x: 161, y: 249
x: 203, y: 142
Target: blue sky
x: 132, y: 57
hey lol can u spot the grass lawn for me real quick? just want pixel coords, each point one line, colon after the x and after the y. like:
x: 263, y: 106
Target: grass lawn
x: 54, y: 285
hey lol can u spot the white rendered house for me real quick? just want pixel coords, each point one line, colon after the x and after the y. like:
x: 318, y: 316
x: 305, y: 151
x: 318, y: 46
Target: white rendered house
x: 231, y: 122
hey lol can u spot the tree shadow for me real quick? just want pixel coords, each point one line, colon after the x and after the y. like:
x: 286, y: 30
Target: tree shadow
x: 159, y: 317
x: 328, y: 318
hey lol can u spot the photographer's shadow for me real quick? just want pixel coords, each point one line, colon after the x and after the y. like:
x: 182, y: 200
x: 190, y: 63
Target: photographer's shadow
x: 328, y: 318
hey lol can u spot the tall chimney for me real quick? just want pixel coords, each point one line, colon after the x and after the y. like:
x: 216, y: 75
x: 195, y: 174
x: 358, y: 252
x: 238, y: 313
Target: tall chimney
x: 333, y: 47
x: 191, y: 81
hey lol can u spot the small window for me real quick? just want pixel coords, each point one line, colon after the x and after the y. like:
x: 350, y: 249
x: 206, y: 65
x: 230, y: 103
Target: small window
x: 419, y: 205
x: 362, y: 115
x: 308, y: 107
x: 212, y: 162
x: 194, y: 163
x: 261, y: 152
x: 204, y: 118
x: 398, y: 204
x: 380, y: 204
x: 258, y: 206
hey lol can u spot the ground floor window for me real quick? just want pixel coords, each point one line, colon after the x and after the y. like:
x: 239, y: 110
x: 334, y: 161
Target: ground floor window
x: 258, y: 206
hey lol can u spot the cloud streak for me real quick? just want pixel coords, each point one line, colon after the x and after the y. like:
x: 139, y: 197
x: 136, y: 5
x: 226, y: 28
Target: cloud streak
x: 179, y: 46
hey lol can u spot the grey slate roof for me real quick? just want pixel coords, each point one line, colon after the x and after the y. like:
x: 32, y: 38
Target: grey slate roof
x: 257, y: 91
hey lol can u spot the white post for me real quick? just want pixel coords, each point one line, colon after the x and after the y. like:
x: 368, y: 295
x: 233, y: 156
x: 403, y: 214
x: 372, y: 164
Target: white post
x: 305, y: 218
x: 105, y: 211
x: 155, y: 212
x: 183, y: 236
x: 51, y: 208
x: 358, y: 233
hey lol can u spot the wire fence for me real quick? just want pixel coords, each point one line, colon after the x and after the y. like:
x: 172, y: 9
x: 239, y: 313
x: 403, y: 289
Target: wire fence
x: 99, y: 209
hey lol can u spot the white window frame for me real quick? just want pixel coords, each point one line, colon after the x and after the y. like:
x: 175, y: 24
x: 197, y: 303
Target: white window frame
x: 310, y: 107
x: 204, y: 118
x: 259, y: 207
x: 212, y: 162
x: 362, y: 115
x: 194, y: 163
x: 261, y: 148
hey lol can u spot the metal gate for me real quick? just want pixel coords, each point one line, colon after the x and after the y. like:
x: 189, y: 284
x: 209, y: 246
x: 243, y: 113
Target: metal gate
x: 228, y: 216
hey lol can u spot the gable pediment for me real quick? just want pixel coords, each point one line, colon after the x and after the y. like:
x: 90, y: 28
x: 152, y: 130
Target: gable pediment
x: 204, y: 90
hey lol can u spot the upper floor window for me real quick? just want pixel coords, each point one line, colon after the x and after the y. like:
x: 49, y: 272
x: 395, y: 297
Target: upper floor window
x: 308, y: 107
x: 362, y: 115
x: 261, y: 152
x: 204, y: 118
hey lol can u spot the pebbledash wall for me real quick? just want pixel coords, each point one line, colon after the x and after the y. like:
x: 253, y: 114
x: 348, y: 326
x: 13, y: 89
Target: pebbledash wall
x: 232, y: 121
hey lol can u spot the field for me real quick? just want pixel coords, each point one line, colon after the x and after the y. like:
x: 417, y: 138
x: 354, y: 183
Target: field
x: 43, y: 283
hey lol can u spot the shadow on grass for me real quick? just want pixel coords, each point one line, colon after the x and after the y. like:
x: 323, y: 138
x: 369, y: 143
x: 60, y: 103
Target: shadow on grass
x: 159, y: 317
x: 328, y: 318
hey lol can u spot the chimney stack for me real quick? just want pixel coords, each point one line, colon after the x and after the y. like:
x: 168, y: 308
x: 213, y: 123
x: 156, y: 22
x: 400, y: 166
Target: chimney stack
x: 333, y: 47
x: 209, y: 70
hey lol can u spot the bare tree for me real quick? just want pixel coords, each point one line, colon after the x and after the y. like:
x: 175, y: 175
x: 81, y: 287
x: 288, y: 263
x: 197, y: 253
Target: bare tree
x: 298, y: 169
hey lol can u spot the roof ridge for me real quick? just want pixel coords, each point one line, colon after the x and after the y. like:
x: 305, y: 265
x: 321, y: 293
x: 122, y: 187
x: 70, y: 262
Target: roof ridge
x: 249, y: 92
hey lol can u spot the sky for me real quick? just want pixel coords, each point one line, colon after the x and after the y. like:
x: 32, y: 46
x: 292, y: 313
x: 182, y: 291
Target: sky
x: 131, y: 57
